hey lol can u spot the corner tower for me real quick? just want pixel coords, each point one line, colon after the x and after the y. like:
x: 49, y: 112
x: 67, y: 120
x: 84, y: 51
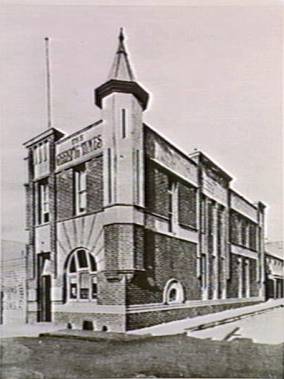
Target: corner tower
x: 122, y: 101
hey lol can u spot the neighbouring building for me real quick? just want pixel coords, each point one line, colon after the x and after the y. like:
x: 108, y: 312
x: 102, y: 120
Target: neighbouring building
x: 126, y: 230
x: 274, y: 269
x: 13, y: 280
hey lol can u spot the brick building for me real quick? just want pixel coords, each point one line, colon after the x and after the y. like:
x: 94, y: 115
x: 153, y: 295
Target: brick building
x: 13, y: 281
x: 126, y: 230
x: 274, y: 270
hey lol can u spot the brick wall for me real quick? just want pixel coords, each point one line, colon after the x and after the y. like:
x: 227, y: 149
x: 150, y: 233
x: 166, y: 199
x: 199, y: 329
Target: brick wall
x: 111, y: 289
x: 113, y: 322
x: 138, y: 247
x: 119, y: 246
x: 95, y: 184
x: 187, y: 205
x: 144, y: 319
x: 64, y: 189
x: 165, y: 258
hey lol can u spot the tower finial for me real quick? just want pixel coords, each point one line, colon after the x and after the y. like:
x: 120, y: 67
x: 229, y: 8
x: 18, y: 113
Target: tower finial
x: 121, y: 35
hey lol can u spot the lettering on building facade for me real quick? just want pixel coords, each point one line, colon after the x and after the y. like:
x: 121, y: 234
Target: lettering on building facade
x: 80, y: 150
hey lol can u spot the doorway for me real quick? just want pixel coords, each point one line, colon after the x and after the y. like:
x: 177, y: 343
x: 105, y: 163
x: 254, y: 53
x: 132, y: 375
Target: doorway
x: 45, y: 299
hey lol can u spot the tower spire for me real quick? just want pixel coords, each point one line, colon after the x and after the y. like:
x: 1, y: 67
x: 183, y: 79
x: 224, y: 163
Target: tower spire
x: 121, y: 69
x: 121, y: 78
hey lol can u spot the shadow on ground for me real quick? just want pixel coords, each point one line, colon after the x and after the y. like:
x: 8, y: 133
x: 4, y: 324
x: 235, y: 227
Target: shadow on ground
x: 88, y: 357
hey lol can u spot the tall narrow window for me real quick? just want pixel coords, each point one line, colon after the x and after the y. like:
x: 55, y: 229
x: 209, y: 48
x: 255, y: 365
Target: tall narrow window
x: 40, y: 153
x: 123, y: 123
x: 109, y: 175
x: 170, y: 194
x: 203, y: 271
x: 138, y: 176
x: 43, y: 202
x: 243, y: 232
x: 45, y: 151
x: 35, y: 155
x: 80, y: 190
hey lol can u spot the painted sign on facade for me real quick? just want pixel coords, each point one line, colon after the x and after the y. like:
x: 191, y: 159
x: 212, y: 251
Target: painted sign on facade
x: 79, y: 147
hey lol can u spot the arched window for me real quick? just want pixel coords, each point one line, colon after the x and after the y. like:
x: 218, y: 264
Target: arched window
x: 173, y: 292
x: 81, y: 276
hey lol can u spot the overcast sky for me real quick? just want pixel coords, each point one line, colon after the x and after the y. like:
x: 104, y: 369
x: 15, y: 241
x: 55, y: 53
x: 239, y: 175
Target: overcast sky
x: 213, y: 74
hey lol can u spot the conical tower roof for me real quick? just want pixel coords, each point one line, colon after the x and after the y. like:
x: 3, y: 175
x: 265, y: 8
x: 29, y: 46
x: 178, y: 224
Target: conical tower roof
x: 121, y: 69
x: 121, y: 78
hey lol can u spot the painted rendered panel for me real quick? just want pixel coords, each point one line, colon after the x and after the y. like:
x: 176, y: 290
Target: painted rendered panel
x: 242, y: 206
x: 213, y: 189
x: 78, y: 148
x: 42, y: 238
x: 169, y: 157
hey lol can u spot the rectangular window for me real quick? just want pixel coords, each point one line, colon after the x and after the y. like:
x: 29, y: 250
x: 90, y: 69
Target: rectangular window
x: 187, y: 205
x: 80, y: 189
x: 84, y: 285
x: 170, y: 194
x: 234, y: 232
x: 73, y: 288
x: 40, y: 153
x: 203, y: 271
x: 94, y: 288
x: 109, y: 175
x: 44, y: 154
x: 35, y: 155
x: 123, y: 123
x: 43, y: 202
x: 252, y: 236
x: 243, y: 232
x: 203, y: 214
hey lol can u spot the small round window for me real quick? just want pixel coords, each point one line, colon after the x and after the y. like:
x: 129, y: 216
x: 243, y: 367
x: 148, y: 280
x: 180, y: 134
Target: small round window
x: 173, y: 293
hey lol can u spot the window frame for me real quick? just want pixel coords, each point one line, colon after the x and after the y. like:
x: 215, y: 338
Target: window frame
x: 43, y: 202
x: 80, y: 192
x: 74, y: 278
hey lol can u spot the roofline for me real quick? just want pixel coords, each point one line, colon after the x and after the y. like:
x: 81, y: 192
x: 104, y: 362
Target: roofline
x: 243, y: 198
x: 274, y: 256
x: 79, y: 131
x: 222, y: 171
x: 171, y: 144
x: 42, y: 135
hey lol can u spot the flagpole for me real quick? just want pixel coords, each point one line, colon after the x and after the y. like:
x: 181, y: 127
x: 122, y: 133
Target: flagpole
x: 48, y: 87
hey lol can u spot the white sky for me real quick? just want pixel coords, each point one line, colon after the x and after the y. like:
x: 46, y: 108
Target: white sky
x: 214, y: 74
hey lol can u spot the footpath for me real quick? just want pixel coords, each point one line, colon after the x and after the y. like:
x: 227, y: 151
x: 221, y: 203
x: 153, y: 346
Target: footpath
x: 187, y: 325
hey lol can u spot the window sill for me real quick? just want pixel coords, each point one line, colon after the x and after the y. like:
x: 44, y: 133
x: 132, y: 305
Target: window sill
x: 185, y: 226
x: 43, y: 224
x: 72, y: 301
x: 244, y: 247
